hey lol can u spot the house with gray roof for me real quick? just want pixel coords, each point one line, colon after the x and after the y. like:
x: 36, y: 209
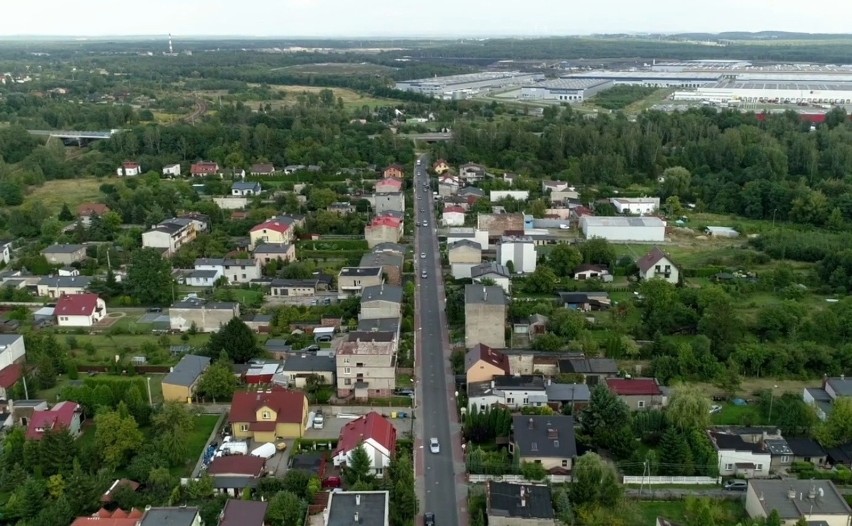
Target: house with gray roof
x: 548, y: 440
x: 245, y: 189
x: 174, y: 516
x: 381, y: 301
x: 509, y: 504
x: 206, y: 316
x: 592, y: 370
x: 298, y: 368
x: 822, y: 398
x: 492, y: 271
x: 485, y: 308
x: 57, y: 286
x: 391, y: 264
x: 379, y: 325
x: 362, y: 508
x: 64, y: 254
x: 575, y: 396
x: 792, y: 499
x: 180, y: 384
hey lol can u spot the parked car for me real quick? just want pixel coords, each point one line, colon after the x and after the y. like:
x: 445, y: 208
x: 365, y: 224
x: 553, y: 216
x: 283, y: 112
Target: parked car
x: 319, y: 420
x: 736, y: 485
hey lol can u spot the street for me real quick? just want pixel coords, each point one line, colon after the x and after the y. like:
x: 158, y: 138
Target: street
x: 440, y: 476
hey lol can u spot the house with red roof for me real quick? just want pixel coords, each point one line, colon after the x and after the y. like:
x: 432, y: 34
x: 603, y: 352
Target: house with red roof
x: 440, y: 166
x: 104, y: 517
x: 79, y: 310
x: 204, y: 169
x: 87, y: 210
x: 268, y: 416
x: 375, y: 434
x: 396, y: 171
x: 128, y: 169
x: 482, y: 363
x: 388, y: 185
x: 383, y: 229
x: 638, y: 393
x: 276, y: 230
x: 453, y: 216
x: 658, y: 264
x: 65, y: 414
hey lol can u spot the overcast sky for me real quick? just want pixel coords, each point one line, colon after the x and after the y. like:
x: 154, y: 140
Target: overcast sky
x: 439, y: 18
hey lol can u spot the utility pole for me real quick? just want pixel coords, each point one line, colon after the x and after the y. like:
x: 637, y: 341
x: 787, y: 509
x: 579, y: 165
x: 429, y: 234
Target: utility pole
x: 646, y: 472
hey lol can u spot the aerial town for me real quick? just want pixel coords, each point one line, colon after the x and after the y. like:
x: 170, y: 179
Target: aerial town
x: 308, y: 283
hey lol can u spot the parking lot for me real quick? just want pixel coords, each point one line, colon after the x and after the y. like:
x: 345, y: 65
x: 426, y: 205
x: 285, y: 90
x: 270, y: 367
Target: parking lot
x: 333, y: 425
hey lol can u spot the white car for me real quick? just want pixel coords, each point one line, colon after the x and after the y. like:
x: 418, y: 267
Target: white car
x: 564, y: 227
x: 423, y: 255
x: 423, y: 275
x: 434, y: 447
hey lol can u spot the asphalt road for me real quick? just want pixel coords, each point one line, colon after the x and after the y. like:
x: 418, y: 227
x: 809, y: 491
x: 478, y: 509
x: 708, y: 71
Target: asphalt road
x: 439, y: 472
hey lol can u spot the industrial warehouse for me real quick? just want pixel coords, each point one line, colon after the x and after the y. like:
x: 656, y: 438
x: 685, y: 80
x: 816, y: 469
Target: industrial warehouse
x: 572, y: 91
x: 465, y: 86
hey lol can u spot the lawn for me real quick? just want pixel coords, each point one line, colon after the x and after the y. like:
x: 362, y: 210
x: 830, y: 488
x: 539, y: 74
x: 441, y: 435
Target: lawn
x: 195, y: 443
x: 107, y: 346
x: 53, y: 194
x: 351, y: 98
x: 648, y: 511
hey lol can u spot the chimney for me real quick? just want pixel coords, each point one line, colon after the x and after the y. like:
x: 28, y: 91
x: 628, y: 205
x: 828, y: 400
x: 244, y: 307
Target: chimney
x: 812, y: 493
x: 492, y: 384
x: 791, y: 494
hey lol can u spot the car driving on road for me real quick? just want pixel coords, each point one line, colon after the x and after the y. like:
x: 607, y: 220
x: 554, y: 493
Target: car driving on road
x: 423, y: 275
x: 434, y: 447
x: 423, y: 255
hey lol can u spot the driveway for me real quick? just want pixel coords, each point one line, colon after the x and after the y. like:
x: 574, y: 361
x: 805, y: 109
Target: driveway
x: 278, y: 464
x: 333, y: 425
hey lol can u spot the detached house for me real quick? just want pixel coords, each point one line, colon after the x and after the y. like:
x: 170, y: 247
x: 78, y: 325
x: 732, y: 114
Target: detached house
x: 172, y: 170
x: 471, y: 172
x: 79, y: 310
x: 204, y: 169
x: 448, y: 184
x: 638, y: 393
x: 265, y: 417
x: 128, y: 169
x: 383, y: 229
x: 276, y: 230
x: 234, y: 270
x: 266, y: 253
x: 180, y: 384
x: 58, y: 286
x: 482, y: 363
x: 440, y: 166
x: 656, y: 264
x: 738, y: 457
x: 263, y: 169
x: 171, y: 234
x: 373, y: 432
x: 397, y: 171
x: 64, y: 254
x: 86, y: 211
x: 546, y: 440
x: 67, y: 415
x: 245, y: 189
x: 514, y: 392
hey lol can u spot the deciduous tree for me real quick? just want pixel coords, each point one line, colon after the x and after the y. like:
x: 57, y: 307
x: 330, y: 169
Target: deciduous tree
x: 116, y: 437
x: 149, y: 278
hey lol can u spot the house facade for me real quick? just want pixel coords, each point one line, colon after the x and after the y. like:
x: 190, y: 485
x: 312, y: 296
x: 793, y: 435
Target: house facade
x: 396, y: 171
x: 234, y: 270
x: 463, y: 256
x: 738, y: 457
x: 492, y: 271
x: 520, y: 250
x: 181, y: 383
x: 67, y: 415
x: 352, y: 280
x: 390, y: 262
x: 262, y: 170
x: 64, y: 254
x: 482, y: 364
x: 293, y: 287
x: 388, y: 202
x: 172, y: 170
x: 381, y: 301
x: 513, y: 392
x: 366, y: 369
x: 440, y: 166
x: 79, y: 310
x: 485, y: 316
x: 268, y: 416
x: 246, y: 189
x: 508, y: 504
x: 375, y: 434
x: 656, y: 264
x: 277, y: 230
x: 453, y: 216
x: 128, y: 169
x: 58, y: 286
x: 387, y: 186
x: 383, y: 229
x: 204, y: 169
x: 265, y: 253
x: 170, y: 235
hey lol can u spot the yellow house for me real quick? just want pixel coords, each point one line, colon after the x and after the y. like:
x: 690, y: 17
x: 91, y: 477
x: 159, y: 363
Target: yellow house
x: 440, y: 166
x: 275, y: 231
x: 266, y: 417
x: 482, y: 364
x: 180, y: 384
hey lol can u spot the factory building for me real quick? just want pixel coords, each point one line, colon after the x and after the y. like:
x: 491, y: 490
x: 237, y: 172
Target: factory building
x: 571, y: 91
x: 464, y: 86
x: 772, y: 92
x: 624, y: 229
x: 656, y: 79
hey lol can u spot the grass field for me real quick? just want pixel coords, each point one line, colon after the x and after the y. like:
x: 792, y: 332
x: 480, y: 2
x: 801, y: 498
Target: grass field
x: 53, y: 194
x: 351, y: 98
x: 648, y: 511
x: 337, y: 68
x: 204, y: 425
x: 50, y: 395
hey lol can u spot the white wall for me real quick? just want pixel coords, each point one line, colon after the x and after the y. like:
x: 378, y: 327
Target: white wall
x: 479, y: 236
x: 522, y: 255
x: 13, y: 352
x: 625, y: 233
x: 518, y: 195
x: 674, y: 273
x: 728, y: 460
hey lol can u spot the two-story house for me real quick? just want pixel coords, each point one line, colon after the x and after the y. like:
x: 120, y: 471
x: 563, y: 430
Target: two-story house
x: 170, y: 235
x: 396, y: 171
x: 738, y: 457
x: 181, y: 383
x: 656, y: 264
x: 482, y: 364
x: 276, y: 230
x: 388, y: 202
x: 234, y: 270
x: 293, y: 287
x: 66, y: 415
x: 79, y: 310
x: 638, y: 393
x: 265, y: 253
x: 268, y: 416
x: 366, y: 369
x: 64, y: 254
x: 381, y: 301
x: 448, y: 184
x: 390, y: 262
x: 462, y: 256
x: 440, y: 166
x: 372, y: 432
x: 471, y: 172
x: 172, y: 170
x: 128, y: 169
x: 485, y: 310
x: 453, y: 216
x: 352, y: 280
x: 513, y: 392
x: 546, y: 440
x: 383, y: 229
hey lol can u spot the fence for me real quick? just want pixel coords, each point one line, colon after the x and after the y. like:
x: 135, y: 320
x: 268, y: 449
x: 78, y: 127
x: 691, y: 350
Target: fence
x: 517, y: 479
x: 670, y: 480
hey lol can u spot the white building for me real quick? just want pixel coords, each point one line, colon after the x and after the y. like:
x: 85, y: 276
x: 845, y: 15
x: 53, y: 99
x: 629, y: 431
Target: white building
x: 235, y: 270
x: 202, y: 278
x: 737, y: 457
x: 471, y: 234
x: 453, y: 216
x: 789, y: 90
x: 648, y: 229
x: 520, y: 251
x: 815, y: 501
x: 636, y: 205
x: 12, y: 349
x: 564, y: 90
x: 172, y: 170
x: 517, y: 195
x: 656, y: 264
x: 6, y: 251
x: 128, y: 169
x: 172, y: 234
x: 79, y: 310
x: 513, y: 392
x: 492, y: 271
x: 375, y: 434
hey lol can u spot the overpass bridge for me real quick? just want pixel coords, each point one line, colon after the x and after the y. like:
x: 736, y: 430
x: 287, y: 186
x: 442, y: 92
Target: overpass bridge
x: 78, y: 136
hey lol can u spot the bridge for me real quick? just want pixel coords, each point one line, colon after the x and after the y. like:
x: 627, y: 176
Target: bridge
x: 80, y: 137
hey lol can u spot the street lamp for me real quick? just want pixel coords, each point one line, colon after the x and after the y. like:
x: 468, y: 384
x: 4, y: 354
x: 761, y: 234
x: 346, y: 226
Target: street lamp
x: 771, y: 399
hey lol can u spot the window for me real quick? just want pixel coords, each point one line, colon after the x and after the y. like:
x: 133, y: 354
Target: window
x: 564, y: 463
x: 538, y: 461
x: 347, y: 370
x: 729, y: 467
x: 244, y: 427
x: 640, y: 404
x: 347, y: 381
x: 657, y: 268
x: 359, y: 364
x: 785, y: 458
x: 760, y: 467
x: 526, y: 401
x: 265, y: 415
x: 510, y: 400
x: 379, y: 471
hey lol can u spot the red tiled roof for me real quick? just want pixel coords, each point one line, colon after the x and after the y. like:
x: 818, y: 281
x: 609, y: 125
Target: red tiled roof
x: 76, y: 305
x: 118, y: 484
x: 88, y: 209
x: 262, y: 426
x: 276, y: 226
x: 248, y: 465
x: 386, y: 221
x: 204, y: 167
x: 288, y: 405
x: 104, y: 517
x: 495, y: 358
x: 10, y: 375
x: 59, y: 415
x: 582, y: 211
x: 372, y: 425
x: 633, y: 386
x: 390, y: 181
x: 457, y: 209
x: 129, y: 164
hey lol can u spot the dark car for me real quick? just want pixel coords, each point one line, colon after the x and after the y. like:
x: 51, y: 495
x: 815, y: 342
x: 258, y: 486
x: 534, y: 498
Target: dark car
x: 155, y: 309
x: 736, y: 485
x: 429, y: 519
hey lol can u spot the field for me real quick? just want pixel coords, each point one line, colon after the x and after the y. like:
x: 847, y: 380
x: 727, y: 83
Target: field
x: 337, y: 69
x: 53, y: 194
x: 351, y: 98
x: 648, y: 511
x: 51, y: 395
x: 204, y: 425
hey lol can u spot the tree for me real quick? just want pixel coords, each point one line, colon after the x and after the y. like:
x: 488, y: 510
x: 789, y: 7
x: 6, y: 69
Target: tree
x: 837, y: 428
x: 285, y: 509
x: 65, y: 214
x: 218, y: 382
x: 676, y: 180
x: 563, y: 259
x: 606, y: 422
x: 173, y: 425
x: 567, y: 323
x: 359, y: 467
x: 236, y: 340
x: 595, y: 482
x: 597, y: 251
x: 149, y: 278
x: 675, y: 455
x: 116, y: 436
x: 688, y: 409
x: 403, y: 500
x: 541, y: 281
x: 699, y: 512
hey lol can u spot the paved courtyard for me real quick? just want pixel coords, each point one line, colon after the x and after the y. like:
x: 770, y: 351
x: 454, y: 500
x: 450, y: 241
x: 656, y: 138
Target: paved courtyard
x: 333, y: 425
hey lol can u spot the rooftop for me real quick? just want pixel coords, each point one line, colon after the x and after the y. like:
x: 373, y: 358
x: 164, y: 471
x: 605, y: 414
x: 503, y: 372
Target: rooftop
x: 62, y: 249
x: 272, y: 248
x: 63, y: 282
x: 805, y: 447
x: 240, y: 512
x: 288, y: 405
x: 842, y: 386
x: 617, y: 221
x: 549, y: 436
x: 521, y: 501
x: 799, y: 498
x: 588, y: 365
x: 486, y: 354
x: 246, y: 465
x: 634, y: 386
x: 370, y: 426
x: 309, y: 363
x: 366, y: 348
x: 732, y: 442
x: 650, y: 259
x: 379, y: 259
x: 360, y: 272
x: 187, y: 371
x: 176, y: 516
x: 487, y: 268
x: 465, y: 243
x: 567, y: 392
x: 519, y: 381
x: 379, y: 325
x: 77, y: 305
x: 370, y: 507
x: 777, y: 446
x: 389, y: 293
x: 484, y: 294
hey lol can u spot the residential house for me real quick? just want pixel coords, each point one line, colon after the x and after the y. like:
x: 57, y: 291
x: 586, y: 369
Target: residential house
x: 364, y: 508
x: 205, y: 316
x: 448, y: 184
x: 497, y: 224
x: 387, y: 186
x: 576, y: 396
x: 584, y: 301
x: 174, y: 516
x: 352, y: 280
x: 173, y: 233
x: 390, y: 262
x: 234, y: 270
x: 79, y: 310
x: 293, y: 287
x: 780, y: 453
x: 341, y: 208
x: 6, y: 251
x: 738, y: 457
x: 397, y: 171
x: 546, y: 440
x: 262, y: 170
x: 180, y: 384
x: 482, y: 364
x: 493, y: 271
x: 822, y: 398
x: 638, y: 393
x: 463, y: 256
x: 585, y: 271
x: 514, y: 392
x: 67, y: 415
x: 508, y: 504
x: 202, y: 278
x: 299, y: 368
x: 471, y: 194
x: 818, y: 502
x: 267, y: 416
x: 471, y: 172
x: 372, y: 432
x: 204, y: 169
x: 453, y: 216
x: 635, y: 205
x: 128, y: 169
x: 807, y: 450
x: 440, y: 166
x: 64, y: 254
x: 105, y: 517
x: 233, y: 474
x: 245, y: 189
x: 266, y: 253
x: 172, y: 170
x: 388, y: 202
x: 656, y: 264
x: 381, y: 301
x: 58, y: 286
x: 485, y: 316
x: 86, y: 211
x: 12, y: 352
x: 366, y: 369
x: 383, y: 229
x: 454, y: 200
x: 553, y: 186
x: 276, y: 230
x: 578, y: 212
x: 592, y: 370
x: 456, y: 234
x: 520, y: 250
x: 258, y: 322
x: 239, y: 512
